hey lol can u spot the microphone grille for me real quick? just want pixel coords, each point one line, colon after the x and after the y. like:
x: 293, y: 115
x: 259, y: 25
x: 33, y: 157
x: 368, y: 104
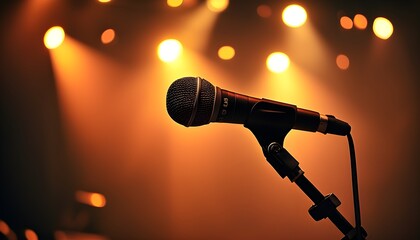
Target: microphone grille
x: 181, y: 101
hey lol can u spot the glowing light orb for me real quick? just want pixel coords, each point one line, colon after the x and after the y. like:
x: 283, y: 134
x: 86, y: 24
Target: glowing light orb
x: 108, y: 36
x: 346, y: 22
x: 169, y: 50
x: 294, y: 16
x: 30, y: 234
x: 278, y: 62
x: 382, y: 28
x: 226, y: 52
x: 4, y: 228
x: 97, y: 200
x: 264, y: 11
x: 54, y: 37
x: 174, y: 3
x: 217, y: 5
x: 91, y: 198
x: 342, y: 62
x: 360, y: 21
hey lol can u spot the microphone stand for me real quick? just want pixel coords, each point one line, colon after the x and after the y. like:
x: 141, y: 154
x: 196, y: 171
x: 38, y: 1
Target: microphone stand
x: 270, y: 124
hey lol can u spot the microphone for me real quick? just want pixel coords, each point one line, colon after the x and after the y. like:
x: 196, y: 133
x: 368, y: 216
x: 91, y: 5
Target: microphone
x: 193, y: 101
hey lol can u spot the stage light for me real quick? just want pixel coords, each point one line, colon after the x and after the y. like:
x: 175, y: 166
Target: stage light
x: 264, y: 11
x: 217, y: 5
x: 382, y: 28
x: 174, y: 3
x: 277, y: 62
x: 30, y: 234
x: 108, y: 36
x: 54, y: 37
x: 97, y: 200
x: 342, y: 62
x: 90, y: 198
x: 346, y: 22
x: 294, y: 16
x: 169, y: 50
x: 4, y: 228
x: 226, y: 52
x: 360, y: 21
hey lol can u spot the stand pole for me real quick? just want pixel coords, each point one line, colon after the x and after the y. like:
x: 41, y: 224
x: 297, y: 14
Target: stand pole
x: 324, y: 206
x: 270, y: 135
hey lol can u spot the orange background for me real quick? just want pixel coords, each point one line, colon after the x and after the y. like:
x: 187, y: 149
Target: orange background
x: 92, y: 117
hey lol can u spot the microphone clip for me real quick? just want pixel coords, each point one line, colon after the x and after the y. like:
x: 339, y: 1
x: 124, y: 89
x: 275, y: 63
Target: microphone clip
x: 263, y: 122
x: 283, y: 162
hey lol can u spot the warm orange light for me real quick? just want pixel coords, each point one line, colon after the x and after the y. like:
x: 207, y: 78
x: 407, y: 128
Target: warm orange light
x: 189, y: 3
x: 342, y: 62
x: 294, y: 15
x: 346, y: 22
x: 226, y: 52
x: 91, y: 198
x: 30, y: 235
x: 169, y: 50
x: 54, y: 37
x: 264, y: 11
x: 382, y: 28
x: 108, y: 36
x: 278, y: 62
x: 4, y: 228
x: 217, y: 5
x: 97, y: 200
x: 104, y: 1
x: 360, y: 21
x: 174, y: 3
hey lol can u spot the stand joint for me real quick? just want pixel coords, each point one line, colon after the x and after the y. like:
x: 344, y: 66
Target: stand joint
x: 324, y: 208
x: 283, y: 162
x: 263, y: 122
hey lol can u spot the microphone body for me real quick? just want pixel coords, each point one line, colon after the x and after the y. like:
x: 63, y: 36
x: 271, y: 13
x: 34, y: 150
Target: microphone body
x: 193, y: 101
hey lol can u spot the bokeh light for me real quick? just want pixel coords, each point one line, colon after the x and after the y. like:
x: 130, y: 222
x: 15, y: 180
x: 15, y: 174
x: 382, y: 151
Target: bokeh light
x: 30, y: 234
x: 104, y: 1
x: 217, y: 5
x: 278, y: 62
x: 54, y: 37
x: 382, y: 28
x: 346, y: 22
x: 226, y: 52
x: 342, y: 62
x: 264, y: 11
x: 92, y: 116
x: 174, y: 3
x: 108, y: 36
x: 360, y: 21
x: 4, y: 228
x: 294, y: 15
x: 169, y: 50
x: 97, y: 200
x: 91, y: 198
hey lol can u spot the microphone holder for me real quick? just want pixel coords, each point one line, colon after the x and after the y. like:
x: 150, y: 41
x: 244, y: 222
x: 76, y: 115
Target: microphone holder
x: 270, y: 124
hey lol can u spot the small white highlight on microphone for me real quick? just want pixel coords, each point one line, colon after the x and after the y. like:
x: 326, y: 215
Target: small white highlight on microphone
x: 323, y: 123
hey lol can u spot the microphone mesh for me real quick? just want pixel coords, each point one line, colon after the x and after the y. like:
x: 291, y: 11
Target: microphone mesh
x: 205, y: 104
x: 180, y: 101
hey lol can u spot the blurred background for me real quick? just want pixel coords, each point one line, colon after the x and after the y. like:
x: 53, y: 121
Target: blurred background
x: 88, y: 150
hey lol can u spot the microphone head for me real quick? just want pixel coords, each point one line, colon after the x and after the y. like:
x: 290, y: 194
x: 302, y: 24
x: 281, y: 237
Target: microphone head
x: 190, y: 101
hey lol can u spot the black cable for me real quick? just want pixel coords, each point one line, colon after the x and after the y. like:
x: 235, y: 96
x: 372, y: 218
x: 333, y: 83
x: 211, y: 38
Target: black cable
x: 355, y: 188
